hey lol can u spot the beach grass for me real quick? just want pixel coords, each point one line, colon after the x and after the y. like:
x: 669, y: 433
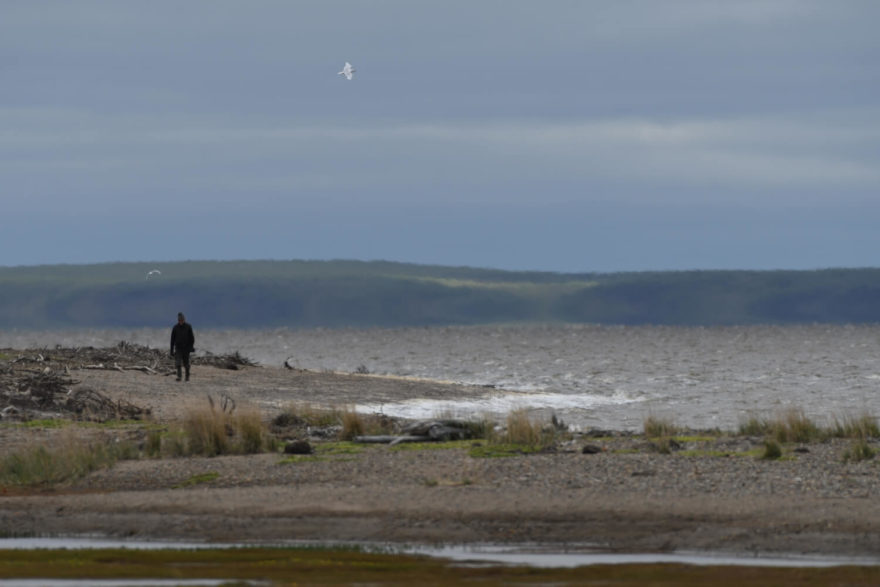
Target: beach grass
x: 659, y: 427
x: 793, y: 425
x: 253, y: 436
x: 205, y: 432
x: 350, y: 422
x: 64, y: 461
x: 521, y: 429
x: 772, y: 450
x: 860, y: 427
x: 216, y: 429
x: 859, y: 450
x: 520, y: 435
x: 353, y: 425
x: 212, y: 429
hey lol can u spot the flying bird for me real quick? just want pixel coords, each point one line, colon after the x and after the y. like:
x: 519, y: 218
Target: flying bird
x: 347, y: 71
x: 153, y: 272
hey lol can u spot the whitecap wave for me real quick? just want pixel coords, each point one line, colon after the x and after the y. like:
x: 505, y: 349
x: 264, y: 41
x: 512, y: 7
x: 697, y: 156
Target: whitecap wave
x: 502, y: 403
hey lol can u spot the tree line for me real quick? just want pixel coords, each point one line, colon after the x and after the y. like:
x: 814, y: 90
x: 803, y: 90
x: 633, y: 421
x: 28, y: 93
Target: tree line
x: 260, y: 294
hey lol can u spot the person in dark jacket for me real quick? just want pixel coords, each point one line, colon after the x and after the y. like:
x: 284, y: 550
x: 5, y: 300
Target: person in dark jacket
x: 182, y: 344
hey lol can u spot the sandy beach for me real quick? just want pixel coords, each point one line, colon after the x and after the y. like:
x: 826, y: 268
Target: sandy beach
x: 705, y: 495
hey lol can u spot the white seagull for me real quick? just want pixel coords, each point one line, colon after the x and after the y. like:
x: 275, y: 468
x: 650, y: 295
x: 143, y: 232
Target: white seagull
x: 153, y: 272
x: 347, y: 71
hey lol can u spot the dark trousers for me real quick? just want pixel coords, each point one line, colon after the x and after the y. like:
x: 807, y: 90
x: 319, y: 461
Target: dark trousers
x: 181, y: 359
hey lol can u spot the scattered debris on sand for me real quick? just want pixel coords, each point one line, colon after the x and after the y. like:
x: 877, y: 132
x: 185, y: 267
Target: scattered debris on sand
x: 39, y: 383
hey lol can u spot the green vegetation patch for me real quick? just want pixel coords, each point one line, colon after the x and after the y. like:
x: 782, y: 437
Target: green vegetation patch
x: 656, y: 427
x: 695, y: 439
x: 447, y: 445
x: 198, y: 480
x: 42, y: 423
x: 48, y: 466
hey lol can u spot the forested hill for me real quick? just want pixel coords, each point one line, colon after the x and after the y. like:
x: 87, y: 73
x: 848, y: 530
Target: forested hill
x: 259, y: 294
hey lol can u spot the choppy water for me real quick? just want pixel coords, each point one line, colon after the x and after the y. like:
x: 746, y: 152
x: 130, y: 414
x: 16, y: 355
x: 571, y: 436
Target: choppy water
x: 589, y: 376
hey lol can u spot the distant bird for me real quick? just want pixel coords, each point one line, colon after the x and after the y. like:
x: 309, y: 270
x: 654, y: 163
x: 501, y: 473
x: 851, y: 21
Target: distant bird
x: 347, y: 71
x: 288, y: 362
x: 153, y: 272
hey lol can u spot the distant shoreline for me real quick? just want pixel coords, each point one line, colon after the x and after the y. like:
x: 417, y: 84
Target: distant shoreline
x: 339, y: 294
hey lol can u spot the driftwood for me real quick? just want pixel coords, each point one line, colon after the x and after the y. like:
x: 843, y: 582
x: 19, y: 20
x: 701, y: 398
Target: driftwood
x: 37, y: 383
x: 92, y: 405
x: 117, y: 367
x: 424, y: 431
x: 123, y: 357
x: 143, y: 368
x: 235, y: 361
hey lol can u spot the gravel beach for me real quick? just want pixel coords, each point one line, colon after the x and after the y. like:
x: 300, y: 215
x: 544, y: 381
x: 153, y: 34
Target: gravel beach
x: 707, y: 494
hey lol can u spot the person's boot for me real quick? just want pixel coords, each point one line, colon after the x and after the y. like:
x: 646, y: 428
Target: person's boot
x: 178, y: 373
x: 187, y: 373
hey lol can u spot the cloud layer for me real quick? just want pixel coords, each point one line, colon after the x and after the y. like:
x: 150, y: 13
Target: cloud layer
x: 683, y: 116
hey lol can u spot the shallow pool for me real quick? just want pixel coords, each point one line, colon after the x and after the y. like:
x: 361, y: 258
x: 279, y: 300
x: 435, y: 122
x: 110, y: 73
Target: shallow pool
x: 535, y: 555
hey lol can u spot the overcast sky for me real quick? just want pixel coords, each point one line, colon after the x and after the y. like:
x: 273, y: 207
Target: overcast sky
x: 560, y: 135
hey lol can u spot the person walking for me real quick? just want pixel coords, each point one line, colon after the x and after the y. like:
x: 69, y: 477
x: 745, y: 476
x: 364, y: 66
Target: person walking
x: 182, y: 344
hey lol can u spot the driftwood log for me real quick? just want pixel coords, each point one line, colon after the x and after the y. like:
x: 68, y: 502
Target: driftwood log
x: 424, y: 431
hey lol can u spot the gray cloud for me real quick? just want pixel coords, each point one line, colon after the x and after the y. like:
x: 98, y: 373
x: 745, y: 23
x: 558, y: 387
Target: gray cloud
x: 119, y: 110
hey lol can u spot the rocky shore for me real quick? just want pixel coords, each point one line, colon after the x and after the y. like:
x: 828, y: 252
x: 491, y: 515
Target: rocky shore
x: 623, y: 493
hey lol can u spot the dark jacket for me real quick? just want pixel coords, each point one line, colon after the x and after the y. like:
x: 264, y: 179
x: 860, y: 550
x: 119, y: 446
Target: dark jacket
x: 182, y: 338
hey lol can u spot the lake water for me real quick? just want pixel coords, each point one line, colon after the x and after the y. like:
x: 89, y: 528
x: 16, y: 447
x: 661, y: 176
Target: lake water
x: 588, y: 376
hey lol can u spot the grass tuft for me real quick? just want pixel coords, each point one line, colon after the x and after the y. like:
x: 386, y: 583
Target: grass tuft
x: 522, y: 435
x: 251, y: 433
x: 209, y: 430
x: 860, y: 450
x: 791, y: 426
x: 522, y: 430
x: 352, y: 425
x: 754, y: 426
x: 772, y: 450
x: 153, y: 443
x: 656, y: 427
x: 860, y: 427
x: 206, y: 432
x: 796, y: 427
